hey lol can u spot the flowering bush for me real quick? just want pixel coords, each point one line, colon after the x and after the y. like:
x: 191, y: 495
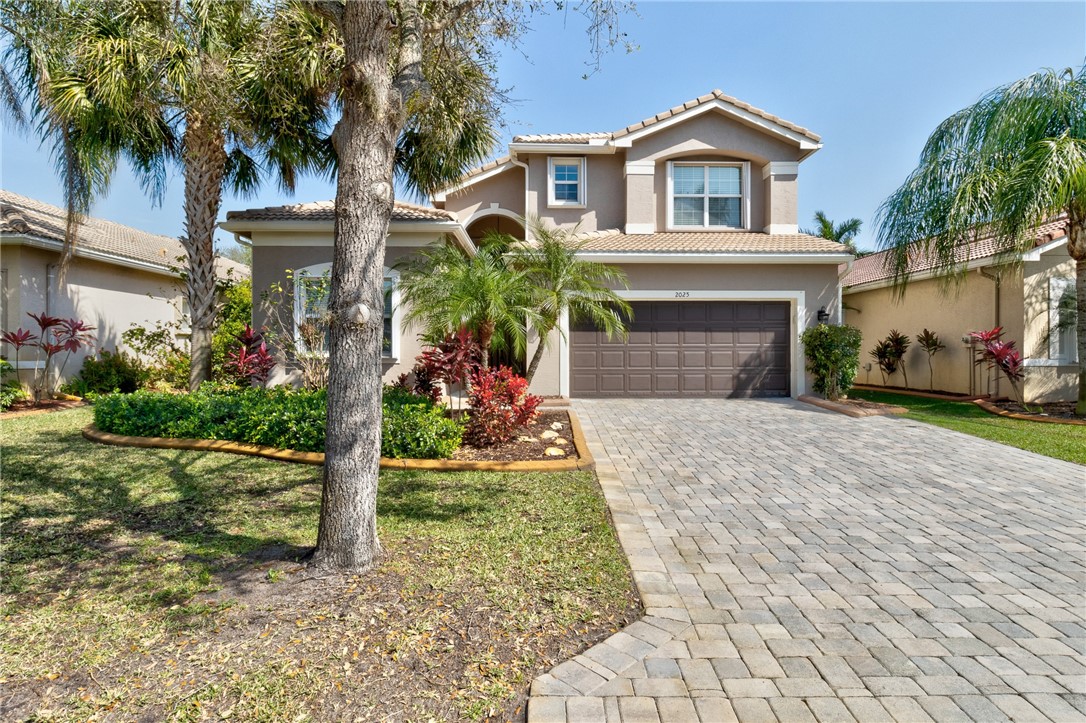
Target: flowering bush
x: 55, y: 335
x: 1001, y: 355
x: 251, y: 361
x: 500, y: 405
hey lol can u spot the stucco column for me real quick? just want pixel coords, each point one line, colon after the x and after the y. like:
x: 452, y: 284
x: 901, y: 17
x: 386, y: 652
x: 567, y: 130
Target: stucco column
x: 640, y: 197
x: 781, y: 185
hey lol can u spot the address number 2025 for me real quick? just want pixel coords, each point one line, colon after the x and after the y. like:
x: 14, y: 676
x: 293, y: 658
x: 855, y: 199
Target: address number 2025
x: 682, y: 294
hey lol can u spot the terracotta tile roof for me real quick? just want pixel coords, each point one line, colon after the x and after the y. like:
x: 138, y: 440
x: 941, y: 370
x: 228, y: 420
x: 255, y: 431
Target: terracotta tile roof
x: 708, y: 242
x: 869, y: 269
x: 326, y: 211
x: 20, y: 215
x: 707, y: 98
x: 489, y: 165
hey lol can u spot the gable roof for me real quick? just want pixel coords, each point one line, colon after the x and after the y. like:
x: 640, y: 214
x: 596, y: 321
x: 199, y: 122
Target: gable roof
x: 716, y: 96
x: 701, y: 242
x: 873, y: 269
x: 326, y: 211
x: 97, y: 238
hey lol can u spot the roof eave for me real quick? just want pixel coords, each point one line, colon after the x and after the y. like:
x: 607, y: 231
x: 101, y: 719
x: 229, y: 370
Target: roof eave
x: 727, y: 257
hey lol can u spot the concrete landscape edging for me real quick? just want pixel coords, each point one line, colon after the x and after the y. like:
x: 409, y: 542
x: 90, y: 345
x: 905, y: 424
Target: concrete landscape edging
x: 76, y: 404
x: 916, y: 393
x: 584, y: 459
x: 848, y: 409
x: 993, y: 409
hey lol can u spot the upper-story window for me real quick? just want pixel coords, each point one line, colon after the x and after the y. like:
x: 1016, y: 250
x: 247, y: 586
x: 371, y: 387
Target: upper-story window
x: 708, y: 195
x: 565, y: 182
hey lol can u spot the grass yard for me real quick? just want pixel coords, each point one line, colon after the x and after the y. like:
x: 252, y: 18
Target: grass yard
x: 160, y: 584
x: 1062, y: 441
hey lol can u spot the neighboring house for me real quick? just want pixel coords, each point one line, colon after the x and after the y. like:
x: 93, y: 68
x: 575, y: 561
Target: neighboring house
x: 119, y: 276
x: 698, y: 205
x: 1031, y: 300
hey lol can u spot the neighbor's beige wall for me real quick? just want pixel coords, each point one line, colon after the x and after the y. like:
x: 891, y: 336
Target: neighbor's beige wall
x: 271, y: 262
x: 109, y: 297
x: 505, y: 189
x: 951, y: 313
x: 1045, y: 383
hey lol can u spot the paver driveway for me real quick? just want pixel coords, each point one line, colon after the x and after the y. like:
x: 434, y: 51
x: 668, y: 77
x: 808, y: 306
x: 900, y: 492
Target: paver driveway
x: 801, y: 565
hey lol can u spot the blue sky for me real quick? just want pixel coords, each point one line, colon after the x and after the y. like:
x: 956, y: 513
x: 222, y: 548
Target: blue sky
x: 874, y: 79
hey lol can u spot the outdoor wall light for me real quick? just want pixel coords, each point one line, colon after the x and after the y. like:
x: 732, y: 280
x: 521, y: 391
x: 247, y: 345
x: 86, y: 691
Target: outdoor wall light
x: 823, y: 315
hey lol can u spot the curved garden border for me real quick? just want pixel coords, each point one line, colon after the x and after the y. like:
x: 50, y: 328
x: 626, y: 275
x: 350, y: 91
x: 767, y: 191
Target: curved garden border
x: 584, y: 457
x: 848, y: 410
x: 993, y: 409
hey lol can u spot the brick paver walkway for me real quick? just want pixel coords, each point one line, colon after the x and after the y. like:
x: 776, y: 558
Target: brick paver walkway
x: 801, y: 565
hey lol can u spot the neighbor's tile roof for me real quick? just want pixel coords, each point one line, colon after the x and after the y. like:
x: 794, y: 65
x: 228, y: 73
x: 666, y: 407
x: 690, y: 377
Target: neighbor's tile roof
x: 326, y: 211
x: 708, y: 242
x: 870, y: 269
x: 707, y: 98
x: 20, y: 215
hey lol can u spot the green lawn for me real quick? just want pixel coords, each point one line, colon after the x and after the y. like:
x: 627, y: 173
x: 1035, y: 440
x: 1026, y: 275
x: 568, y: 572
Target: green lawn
x: 1062, y: 441
x: 165, y: 584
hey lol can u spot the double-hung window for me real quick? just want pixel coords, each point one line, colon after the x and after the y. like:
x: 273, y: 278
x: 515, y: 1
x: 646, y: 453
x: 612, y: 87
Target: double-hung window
x: 1062, y: 339
x: 707, y: 196
x: 566, y: 182
x: 311, y: 311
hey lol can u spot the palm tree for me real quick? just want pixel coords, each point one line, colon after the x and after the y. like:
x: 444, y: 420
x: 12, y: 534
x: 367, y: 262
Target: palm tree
x: 1002, y: 166
x: 168, y: 83
x: 843, y: 233
x: 445, y: 289
x: 563, y: 283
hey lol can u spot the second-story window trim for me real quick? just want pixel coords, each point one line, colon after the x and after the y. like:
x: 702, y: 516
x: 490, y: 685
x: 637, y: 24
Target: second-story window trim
x: 566, y: 181
x: 715, y: 200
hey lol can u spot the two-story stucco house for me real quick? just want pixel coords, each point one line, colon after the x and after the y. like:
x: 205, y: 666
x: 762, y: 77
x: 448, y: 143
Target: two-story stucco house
x: 697, y: 205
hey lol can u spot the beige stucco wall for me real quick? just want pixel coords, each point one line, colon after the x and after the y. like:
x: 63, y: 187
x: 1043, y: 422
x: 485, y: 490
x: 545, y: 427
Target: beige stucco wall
x: 505, y: 189
x: 1058, y: 381
x: 270, y: 263
x: 605, y: 194
x: 109, y: 297
x: 951, y: 312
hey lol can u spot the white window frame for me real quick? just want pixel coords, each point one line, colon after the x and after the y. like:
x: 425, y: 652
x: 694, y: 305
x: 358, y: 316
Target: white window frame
x: 744, y: 204
x: 1057, y: 287
x: 582, y: 183
x: 318, y: 270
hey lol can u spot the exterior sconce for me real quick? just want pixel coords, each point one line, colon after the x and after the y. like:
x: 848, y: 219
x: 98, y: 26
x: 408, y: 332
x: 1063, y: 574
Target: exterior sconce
x: 823, y: 315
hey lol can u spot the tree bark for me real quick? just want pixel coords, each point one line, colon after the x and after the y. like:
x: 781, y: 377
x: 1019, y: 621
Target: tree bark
x: 486, y: 336
x: 537, y: 356
x: 204, y: 168
x: 365, y: 142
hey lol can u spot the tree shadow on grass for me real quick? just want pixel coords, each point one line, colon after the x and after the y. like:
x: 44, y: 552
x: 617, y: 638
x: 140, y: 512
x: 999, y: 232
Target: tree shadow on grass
x: 82, y: 515
x: 435, y: 497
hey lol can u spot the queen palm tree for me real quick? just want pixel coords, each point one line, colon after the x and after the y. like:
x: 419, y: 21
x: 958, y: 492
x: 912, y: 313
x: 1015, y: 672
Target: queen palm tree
x: 445, y: 289
x: 1003, y: 166
x: 563, y: 283
x: 193, y: 84
x: 843, y: 233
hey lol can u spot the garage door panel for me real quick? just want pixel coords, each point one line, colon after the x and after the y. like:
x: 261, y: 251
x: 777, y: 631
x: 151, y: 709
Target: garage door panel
x: 688, y: 348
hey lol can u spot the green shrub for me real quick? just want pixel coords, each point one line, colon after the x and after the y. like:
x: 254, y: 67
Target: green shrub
x: 281, y: 417
x: 11, y: 390
x: 113, y: 371
x: 833, y: 355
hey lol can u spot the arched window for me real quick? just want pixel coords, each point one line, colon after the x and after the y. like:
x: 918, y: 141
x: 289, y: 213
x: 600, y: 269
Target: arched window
x: 311, y: 286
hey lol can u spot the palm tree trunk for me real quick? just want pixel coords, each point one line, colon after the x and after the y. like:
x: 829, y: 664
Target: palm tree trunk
x: 537, y: 357
x: 365, y: 141
x: 486, y: 337
x: 204, y: 168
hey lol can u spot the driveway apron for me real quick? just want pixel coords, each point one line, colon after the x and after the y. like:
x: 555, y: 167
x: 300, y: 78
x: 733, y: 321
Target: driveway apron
x: 800, y: 565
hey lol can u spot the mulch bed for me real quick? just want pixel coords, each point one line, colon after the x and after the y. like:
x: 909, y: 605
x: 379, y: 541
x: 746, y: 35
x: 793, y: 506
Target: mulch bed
x: 1054, y: 410
x: 530, y: 444
x: 28, y: 406
x: 865, y: 404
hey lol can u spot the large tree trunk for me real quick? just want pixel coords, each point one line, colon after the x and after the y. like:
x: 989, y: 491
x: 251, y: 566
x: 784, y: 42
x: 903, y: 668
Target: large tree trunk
x: 365, y: 141
x: 205, y: 166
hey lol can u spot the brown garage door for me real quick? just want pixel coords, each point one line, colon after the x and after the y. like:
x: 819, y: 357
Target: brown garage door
x: 687, y: 349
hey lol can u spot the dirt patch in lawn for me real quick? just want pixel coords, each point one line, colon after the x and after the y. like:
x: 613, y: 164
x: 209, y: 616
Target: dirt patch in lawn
x: 24, y: 407
x: 551, y: 430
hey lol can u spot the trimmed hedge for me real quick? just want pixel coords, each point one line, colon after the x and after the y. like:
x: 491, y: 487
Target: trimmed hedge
x: 412, y: 426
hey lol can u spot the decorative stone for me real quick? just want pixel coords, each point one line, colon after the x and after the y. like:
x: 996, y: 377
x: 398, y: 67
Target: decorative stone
x: 559, y: 440
x: 556, y: 425
x: 549, y: 434
x: 527, y: 439
x: 554, y: 452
